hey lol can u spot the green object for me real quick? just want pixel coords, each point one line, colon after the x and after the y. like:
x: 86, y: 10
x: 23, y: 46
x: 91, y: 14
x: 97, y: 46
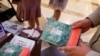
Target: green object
x: 56, y: 33
x: 10, y: 50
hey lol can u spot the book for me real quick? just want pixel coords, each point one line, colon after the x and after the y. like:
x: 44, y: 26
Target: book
x: 24, y: 42
x: 74, y: 37
x: 10, y: 50
x: 57, y: 33
x: 12, y: 27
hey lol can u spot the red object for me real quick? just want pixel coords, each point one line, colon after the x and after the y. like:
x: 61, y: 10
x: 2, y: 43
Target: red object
x: 74, y: 37
x: 25, y: 52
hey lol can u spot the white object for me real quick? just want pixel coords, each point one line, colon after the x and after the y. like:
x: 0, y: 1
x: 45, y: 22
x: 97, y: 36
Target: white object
x: 29, y: 32
x: 12, y: 27
x: 32, y: 32
x: 24, y: 42
x: 36, y: 34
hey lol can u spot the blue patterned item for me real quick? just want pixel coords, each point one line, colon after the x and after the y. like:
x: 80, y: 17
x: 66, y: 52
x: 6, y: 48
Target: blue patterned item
x: 56, y: 33
x: 10, y: 50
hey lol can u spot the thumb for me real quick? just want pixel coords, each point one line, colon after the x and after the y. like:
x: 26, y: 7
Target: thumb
x: 61, y: 48
x: 76, y: 25
x: 66, y: 48
x: 82, y: 44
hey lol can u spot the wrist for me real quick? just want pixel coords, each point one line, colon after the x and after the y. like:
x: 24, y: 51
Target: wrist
x: 90, y: 22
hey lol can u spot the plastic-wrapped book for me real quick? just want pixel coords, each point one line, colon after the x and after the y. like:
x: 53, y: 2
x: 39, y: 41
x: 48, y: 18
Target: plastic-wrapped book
x: 57, y: 33
x: 10, y: 50
x: 24, y: 42
x: 12, y: 27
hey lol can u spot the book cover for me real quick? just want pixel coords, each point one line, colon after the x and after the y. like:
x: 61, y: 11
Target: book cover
x: 24, y: 42
x: 12, y: 27
x: 60, y: 34
x: 10, y: 50
x: 56, y: 33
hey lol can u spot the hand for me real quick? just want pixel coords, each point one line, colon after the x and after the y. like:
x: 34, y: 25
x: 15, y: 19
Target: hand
x: 83, y: 24
x: 60, y: 0
x: 80, y: 50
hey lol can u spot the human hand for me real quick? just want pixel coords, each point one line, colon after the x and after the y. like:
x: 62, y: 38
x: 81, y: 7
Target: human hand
x: 83, y: 24
x: 80, y: 50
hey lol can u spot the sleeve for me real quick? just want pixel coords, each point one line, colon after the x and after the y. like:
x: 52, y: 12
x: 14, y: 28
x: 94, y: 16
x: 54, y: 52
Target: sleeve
x: 93, y: 53
x: 95, y: 17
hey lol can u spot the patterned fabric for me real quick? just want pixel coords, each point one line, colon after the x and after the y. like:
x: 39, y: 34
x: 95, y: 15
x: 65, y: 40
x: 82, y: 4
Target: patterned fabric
x: 58, y: 4
x: 29, y: 9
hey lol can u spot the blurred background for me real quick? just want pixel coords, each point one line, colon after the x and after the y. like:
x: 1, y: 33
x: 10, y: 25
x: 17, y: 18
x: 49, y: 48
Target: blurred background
x: 75, y: 10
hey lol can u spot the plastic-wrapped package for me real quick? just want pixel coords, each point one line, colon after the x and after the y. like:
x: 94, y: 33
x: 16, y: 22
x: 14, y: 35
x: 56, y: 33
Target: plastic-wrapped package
x: 56, y: 32
x: 10, y: 50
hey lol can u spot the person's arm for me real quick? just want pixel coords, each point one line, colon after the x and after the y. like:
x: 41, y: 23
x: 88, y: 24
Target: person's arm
x: 81, y: 50
x: 90, y: 21
x: 93, y: 53
x: 95, y: 17
x: 84, y: 24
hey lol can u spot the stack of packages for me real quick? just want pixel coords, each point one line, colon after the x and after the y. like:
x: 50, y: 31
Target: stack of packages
x: 17, y: 29
x: 18, y: 46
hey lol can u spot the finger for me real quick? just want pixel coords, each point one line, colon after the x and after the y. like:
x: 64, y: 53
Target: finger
x: 67, y: 49
x: 61, y: 48
x: 70, y: 48
x: 68, y: 53
x: 82, y: 44
x: 84, y: 30
x: 76, y: 25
